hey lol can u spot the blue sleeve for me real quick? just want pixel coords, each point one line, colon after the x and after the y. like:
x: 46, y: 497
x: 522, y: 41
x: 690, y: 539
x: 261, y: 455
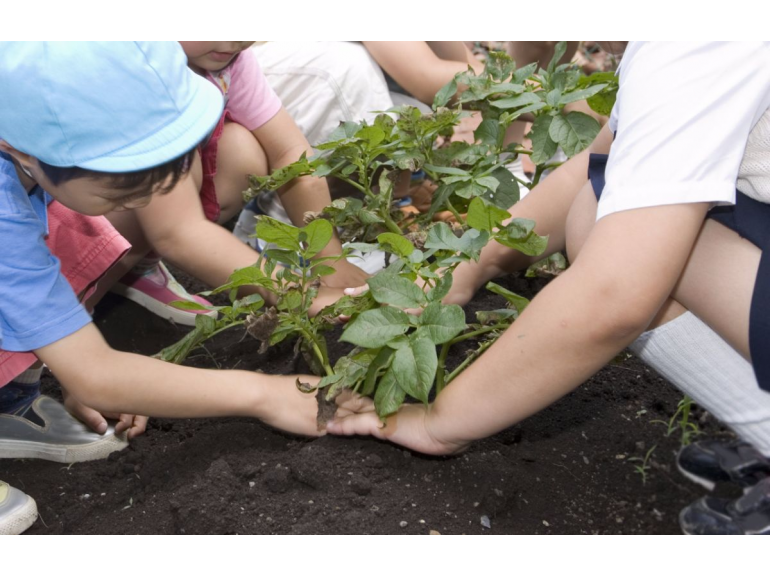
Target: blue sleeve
x: 37, y: 304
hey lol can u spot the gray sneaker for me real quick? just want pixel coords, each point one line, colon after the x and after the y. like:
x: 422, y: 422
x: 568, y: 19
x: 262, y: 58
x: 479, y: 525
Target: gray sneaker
x: 48, y: 431
x: 17, y: 510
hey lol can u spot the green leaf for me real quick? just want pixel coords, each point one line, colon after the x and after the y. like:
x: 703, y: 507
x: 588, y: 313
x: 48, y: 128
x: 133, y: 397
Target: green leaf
x: 441, y: 289
x: 374, y: 328
x: 444, y: 95
x: 531, y: 244
x: 499, y: 65
x: 251, y: 303
x: 441, y: 323
x: 482, y: 216
x: 283, y: 256
x: 279, y: 233
x: 553, y: 97
x: 318, y: 234
x: 489, y: 182
x: 344, y: 131
x: 396, y: 244
x: 191, y: 306
x: 387, y: 288
x: 488, y: 132
x: 524, y: 99
x: 381, y: 361
x: 561, y: 48
x: 495, y: 316
x: 414, y: 367
x: 603, y: 102
x: 505, y: 87
x: 373, y: 135
x: 507, y: 193
x: 440, y: 197
x: 441, y: 237
x: 389, y: 395
x: 290, y: 301
x: 523, y: 73
x: 516, y: 301
x: 470, y: 190
x: 410, y: 160
x: 584, y: 94
x: 573, y: 132
x: 447, y: 170
x: 543, y: 146
x: 368, y: 217
x: 250, y: 275
x: 323, y: 270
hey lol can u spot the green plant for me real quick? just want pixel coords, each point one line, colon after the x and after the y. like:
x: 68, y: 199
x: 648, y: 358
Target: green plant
x: 680, y: 421
x: 644, y: 467
x: 399, y: 354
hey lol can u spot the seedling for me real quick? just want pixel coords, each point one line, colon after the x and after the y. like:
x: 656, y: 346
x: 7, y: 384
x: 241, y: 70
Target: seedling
x: 643, y: 466
x: 680, y: 420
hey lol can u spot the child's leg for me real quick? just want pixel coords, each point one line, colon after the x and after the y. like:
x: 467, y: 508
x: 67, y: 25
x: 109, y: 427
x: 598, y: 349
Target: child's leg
x: 685, y: 349
x: 141, y: 276
x: 239, y: 154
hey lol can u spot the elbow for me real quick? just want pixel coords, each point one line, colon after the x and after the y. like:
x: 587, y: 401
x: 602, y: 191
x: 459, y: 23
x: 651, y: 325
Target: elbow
x: 619, y: 317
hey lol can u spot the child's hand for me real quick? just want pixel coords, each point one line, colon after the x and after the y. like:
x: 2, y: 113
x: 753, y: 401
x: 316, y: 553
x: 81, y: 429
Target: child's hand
x: 409, y: 427
x: 347, y: 275
x: 134, y: 425
x: 326, y: 296
x: 285, y: 407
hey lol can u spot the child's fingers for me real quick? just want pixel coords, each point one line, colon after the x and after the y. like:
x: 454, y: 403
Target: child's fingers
x: 356, y: 291
x: 357, y: 424
x: 93, y: 419
x: 138, y: 426
x: 349, y: 403
x: 124, y: 423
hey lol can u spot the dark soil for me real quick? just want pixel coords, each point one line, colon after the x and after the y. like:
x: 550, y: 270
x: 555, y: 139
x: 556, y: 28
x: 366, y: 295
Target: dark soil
x: 565, y: 470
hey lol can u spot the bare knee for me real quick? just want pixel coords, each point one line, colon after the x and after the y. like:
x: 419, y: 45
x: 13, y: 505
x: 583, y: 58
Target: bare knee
x: 239, y: 155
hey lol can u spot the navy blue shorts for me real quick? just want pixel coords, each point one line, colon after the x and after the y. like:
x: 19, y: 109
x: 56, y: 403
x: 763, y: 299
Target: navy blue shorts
x: 751, y: 220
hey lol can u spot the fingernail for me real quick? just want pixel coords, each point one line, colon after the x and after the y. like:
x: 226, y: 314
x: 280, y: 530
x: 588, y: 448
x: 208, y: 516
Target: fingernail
x: 101, y: 428
x: 349, y: 291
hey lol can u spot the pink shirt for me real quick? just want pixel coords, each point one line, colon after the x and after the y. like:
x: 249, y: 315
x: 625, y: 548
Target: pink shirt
x: 248, y: 97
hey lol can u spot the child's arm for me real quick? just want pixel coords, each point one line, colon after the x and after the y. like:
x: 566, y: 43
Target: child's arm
x: 111, y: 381
x: 175, y: 226
x: 420, y: 70
x: 578, y: 323
x: 284, y: 143
x: 548, y: 205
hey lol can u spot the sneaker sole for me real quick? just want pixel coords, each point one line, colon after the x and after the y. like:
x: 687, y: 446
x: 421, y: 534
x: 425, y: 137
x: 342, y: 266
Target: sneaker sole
x: 62, y: 453
x: 702, y: 481
x: 178, y: 316
x: 21, y: 520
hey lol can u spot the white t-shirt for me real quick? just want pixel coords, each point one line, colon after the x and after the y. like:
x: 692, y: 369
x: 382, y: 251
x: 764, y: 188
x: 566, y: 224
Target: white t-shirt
x: 683, y: 117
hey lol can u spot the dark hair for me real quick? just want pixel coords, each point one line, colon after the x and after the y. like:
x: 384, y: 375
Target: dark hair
x: 168, y: 173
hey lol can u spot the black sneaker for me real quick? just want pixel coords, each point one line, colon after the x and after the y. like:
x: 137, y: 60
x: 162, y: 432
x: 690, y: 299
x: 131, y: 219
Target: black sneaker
x: 711, y: 462
x: 747, y: 515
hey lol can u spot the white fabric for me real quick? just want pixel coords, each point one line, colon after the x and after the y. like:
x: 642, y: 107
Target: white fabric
x: 683, y: 116
x: 700, y: 363
x: 754, y: 174
x: 324, y: 83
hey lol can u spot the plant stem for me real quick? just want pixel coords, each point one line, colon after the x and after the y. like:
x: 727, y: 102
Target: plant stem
x: 462, y: 366
x: 389, y: 223
x: 455, y: 212
x: 354, y: 184
x: 441, y: 369
x: 477, y: 332
x: 317, y: 350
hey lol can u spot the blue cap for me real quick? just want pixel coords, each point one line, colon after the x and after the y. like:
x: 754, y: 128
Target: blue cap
x: 106, y: 106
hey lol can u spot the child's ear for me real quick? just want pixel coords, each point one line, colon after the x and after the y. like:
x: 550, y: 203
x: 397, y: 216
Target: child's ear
x: 17, y: 154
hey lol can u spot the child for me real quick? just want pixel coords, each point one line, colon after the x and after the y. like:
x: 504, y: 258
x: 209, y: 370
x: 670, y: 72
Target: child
x: 676, y: 153
x: 86, y: 129
x: 254, y: 135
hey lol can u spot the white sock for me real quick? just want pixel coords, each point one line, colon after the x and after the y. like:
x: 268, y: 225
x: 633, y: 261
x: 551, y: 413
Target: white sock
x: 29, y: 377
x: 700, y: 363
